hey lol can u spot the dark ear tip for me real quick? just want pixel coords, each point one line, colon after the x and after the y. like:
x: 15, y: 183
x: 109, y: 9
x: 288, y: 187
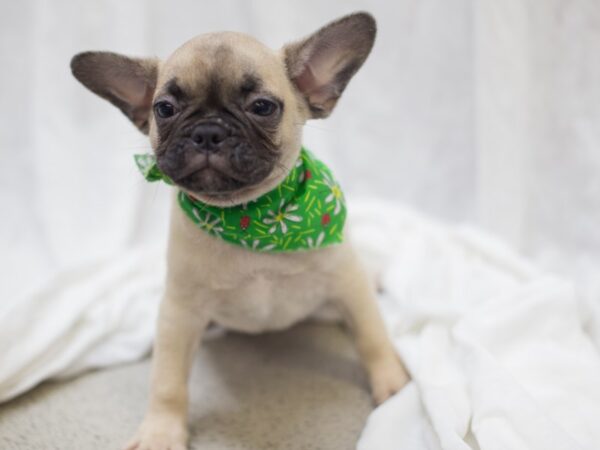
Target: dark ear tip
x: 78, y: 62
x: 365, y: 19
x: 83, y: 62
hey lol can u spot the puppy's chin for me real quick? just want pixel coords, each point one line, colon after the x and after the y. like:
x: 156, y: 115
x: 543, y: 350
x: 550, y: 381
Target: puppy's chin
x: 212, y: 182
x: 227, y: 192
x: 216, y: 188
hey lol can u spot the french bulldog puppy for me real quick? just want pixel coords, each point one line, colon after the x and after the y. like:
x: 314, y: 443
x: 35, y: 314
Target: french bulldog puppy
x: 224, y: 114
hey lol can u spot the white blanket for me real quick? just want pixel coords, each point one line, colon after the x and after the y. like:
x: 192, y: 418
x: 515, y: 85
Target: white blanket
x: 495, y: 348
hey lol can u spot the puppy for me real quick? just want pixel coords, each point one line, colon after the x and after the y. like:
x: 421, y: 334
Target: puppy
x: 224, y: 115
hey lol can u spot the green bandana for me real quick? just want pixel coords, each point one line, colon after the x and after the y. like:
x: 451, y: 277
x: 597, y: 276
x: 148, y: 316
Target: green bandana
x: 305, y: 211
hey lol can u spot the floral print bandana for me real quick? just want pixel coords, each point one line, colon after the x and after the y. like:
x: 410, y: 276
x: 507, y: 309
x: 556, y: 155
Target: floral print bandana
x: 306, y: 211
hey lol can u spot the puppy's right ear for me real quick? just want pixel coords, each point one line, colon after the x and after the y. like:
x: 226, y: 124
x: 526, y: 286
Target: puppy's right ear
x: 128, y: 83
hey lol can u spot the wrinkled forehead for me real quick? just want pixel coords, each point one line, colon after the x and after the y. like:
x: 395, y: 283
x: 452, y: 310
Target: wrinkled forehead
x: 223, y: 62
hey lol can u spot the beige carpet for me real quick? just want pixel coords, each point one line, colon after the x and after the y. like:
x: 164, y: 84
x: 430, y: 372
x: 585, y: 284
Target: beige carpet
x: 300, y: 389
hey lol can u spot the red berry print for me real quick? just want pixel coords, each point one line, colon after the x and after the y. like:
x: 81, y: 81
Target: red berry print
x: 325, y: 219
x: 307, y: 175
x: 244, y: 222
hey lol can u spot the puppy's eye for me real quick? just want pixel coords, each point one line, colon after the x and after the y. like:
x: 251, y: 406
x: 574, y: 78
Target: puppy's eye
x: 262, y: 107
x: 164, y: 109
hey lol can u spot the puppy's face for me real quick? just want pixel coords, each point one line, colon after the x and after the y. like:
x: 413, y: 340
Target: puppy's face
x: 224, y: 112
x: 225, y: 116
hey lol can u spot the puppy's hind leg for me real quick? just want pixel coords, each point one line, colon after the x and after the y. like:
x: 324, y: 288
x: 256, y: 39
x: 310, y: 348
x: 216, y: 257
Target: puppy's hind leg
x: 355, y: 295
x: 181, y: 323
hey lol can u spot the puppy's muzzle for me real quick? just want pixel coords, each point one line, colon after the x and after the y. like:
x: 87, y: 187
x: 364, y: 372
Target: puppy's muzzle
x: 208, y: 137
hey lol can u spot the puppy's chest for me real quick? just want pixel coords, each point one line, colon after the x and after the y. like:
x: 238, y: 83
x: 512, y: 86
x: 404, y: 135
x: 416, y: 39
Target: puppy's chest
x: 269, y: 302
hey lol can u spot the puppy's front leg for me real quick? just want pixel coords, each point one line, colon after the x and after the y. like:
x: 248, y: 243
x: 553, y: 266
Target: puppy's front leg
x: 356, y: 298
x: 181, y: 322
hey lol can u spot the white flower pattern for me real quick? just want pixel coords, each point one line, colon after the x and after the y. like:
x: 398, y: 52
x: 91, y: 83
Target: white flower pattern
x: 254, y: 245
x: 335, y: 195
x: 212, y: 226
x: 316, y: 243
x: 283, y: 213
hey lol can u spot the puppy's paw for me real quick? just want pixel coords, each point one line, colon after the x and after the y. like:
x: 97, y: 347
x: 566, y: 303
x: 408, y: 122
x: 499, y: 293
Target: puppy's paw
x: 159, y: 435
x: 387, y: 378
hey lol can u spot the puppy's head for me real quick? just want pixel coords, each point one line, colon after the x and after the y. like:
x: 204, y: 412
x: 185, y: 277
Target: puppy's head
x: 224, y: 112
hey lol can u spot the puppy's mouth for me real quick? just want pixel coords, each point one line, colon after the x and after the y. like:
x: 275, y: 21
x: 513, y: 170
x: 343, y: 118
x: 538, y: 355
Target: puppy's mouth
x: 202, y: 164
x: 207, y: 174
x: 212, y: 174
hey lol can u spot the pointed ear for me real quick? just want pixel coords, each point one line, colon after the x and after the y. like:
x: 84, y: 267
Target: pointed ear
x: 321, y: 65
x: 128, y: 83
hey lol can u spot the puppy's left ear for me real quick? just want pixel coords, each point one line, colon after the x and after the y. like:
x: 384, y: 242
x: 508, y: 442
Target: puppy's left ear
x: 128, y: 83
x: 321, y: 65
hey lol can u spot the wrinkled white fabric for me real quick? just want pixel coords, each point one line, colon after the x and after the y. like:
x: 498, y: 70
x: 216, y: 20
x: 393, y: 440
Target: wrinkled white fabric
x: 496, y: 348
x: 97, y: 314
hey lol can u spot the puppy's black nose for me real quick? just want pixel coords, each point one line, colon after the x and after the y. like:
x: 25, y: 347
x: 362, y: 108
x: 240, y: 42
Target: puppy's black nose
x: 208, y: 136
